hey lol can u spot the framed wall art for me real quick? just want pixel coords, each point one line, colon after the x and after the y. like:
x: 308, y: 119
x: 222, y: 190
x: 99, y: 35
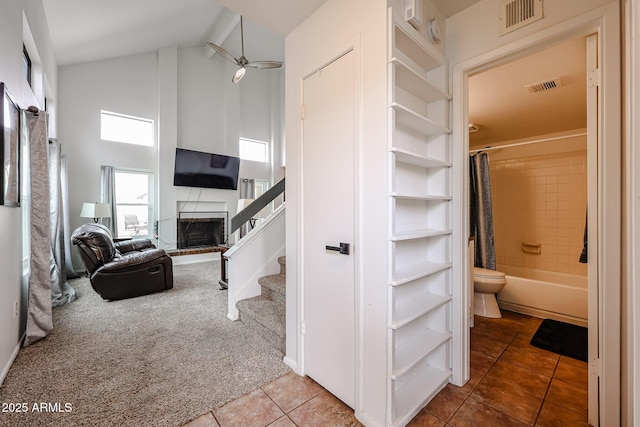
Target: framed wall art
x: 9, y: 149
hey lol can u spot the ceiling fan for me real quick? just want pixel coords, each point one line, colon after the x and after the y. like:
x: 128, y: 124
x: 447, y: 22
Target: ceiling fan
x: 243, y: 62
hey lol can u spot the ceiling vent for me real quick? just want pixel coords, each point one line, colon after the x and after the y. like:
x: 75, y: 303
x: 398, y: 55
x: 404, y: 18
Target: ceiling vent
x: 516, y: 14
x: 544, y: 86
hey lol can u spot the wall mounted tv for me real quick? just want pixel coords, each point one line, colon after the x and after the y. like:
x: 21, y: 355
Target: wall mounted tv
x: 208, y: 170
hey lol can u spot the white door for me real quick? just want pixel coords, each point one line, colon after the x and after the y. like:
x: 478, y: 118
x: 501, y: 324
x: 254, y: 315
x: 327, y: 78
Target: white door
x: 328, y: 221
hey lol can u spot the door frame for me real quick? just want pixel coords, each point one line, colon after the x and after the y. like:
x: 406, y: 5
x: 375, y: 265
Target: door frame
x: 605, y: 22
x: 326, y: 58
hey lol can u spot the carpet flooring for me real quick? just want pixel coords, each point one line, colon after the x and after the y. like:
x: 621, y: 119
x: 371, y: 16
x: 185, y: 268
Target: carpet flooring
x: 157, y: 360
x: 562, y: 338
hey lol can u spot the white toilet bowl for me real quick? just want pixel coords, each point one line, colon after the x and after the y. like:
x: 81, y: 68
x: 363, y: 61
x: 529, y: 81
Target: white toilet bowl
x: 486, y: 284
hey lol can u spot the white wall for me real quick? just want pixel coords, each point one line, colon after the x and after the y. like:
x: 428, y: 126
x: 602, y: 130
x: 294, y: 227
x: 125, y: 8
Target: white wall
x: 318, y: 39
x: 11, y: 40
x: 474, y: 30
x: 125, y: 85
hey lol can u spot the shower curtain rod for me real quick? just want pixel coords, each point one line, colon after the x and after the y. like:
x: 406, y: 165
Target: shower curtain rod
x: 517, y: 144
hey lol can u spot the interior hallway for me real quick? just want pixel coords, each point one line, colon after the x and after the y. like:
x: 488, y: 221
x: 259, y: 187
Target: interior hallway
x: 512, y: 384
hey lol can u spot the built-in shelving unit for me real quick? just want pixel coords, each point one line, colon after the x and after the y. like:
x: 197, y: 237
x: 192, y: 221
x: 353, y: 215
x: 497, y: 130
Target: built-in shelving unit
x: 420, y: 288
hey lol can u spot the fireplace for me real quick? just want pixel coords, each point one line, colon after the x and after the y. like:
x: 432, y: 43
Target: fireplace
x: 201, y: 229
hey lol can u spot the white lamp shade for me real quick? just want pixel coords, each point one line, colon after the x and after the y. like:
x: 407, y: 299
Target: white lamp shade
x: 95, y: 210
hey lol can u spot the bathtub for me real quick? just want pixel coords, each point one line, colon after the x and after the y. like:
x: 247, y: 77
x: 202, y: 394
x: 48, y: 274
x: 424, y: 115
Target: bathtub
x: 545, y: 294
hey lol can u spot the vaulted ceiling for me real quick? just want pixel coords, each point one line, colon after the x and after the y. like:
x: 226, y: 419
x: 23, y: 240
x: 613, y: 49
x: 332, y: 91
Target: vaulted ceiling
x: 89, y: 30
x: 499, y: 104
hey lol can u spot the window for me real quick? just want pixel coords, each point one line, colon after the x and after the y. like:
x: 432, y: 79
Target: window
x: 261, y: 187
x: 127, y: 129
x: 253, y: 150
x: 26, y: 64
x: 133, y: 210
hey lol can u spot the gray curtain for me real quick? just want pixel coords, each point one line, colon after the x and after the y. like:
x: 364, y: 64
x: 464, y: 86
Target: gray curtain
x: 482, y: 211
x: 39, y: 321
x: 61, y: 291
x: 107, y: 195
x: 64, y: 192
x: 48, y: 286
x: 247, y: 188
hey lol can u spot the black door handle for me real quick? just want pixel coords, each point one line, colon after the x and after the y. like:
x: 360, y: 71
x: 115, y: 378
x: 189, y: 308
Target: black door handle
x: 344, y: 248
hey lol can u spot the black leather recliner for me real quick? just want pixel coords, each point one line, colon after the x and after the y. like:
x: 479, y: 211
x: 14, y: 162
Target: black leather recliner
x: 122, y: 269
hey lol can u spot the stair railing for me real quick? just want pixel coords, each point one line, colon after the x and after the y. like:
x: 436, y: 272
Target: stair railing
x: 256, y: 206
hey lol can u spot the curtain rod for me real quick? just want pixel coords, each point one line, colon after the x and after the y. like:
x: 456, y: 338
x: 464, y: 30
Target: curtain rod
x: 517, y: 144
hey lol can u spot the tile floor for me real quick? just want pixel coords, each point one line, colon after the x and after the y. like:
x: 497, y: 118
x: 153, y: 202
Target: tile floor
x: 512, y: 384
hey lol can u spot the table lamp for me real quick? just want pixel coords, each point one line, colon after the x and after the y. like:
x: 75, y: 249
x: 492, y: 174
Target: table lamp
x: 95, y: 211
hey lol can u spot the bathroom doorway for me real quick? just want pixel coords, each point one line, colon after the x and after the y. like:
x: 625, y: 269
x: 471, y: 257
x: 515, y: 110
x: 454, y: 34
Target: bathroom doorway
x: 529, y: 116
x: 598, y: 138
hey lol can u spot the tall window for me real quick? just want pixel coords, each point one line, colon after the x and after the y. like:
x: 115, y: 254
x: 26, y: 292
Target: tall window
x: 133, y: 211
x: 26, y: 64
x: 127, y: 129
x: 254, y: 150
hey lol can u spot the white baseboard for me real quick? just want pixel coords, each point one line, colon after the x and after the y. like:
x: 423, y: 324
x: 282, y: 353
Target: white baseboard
x: 366, y: 420
x: 194, y: 258
x: 6, y: 368
x: 291, y: 363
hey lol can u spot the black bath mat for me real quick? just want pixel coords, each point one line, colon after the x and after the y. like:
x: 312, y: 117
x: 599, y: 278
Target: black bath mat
x: 562, y: 338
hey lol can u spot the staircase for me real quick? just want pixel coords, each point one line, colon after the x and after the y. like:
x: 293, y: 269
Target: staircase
x: 265, y: 313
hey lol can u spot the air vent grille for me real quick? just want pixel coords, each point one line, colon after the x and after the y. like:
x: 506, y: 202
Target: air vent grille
x: 544, y: 86
x: 516, y: 14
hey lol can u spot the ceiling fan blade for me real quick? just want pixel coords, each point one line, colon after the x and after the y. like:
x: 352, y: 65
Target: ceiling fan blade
x: 223, y: 52
x: 263, y: 65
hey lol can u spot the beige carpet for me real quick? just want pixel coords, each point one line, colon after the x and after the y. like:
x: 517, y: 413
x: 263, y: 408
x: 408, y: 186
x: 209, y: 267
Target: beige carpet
x: 156, y: 360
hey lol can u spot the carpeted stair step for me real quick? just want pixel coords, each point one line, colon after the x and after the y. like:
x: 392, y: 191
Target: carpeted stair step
x: 274, y: 288
x: 266, y: 318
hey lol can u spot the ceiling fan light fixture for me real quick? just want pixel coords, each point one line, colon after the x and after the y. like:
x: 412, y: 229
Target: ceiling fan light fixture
x: 239, y: 75
x: 242, y: 61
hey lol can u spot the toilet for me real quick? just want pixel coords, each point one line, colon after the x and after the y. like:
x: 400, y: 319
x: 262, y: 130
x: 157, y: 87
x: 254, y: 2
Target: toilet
x: 486, y: 284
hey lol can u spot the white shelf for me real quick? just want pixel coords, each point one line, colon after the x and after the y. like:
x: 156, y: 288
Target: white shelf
x: 418, y: 234
x: 421, y: 386
x: 426, y: 197
x: 412, y: 158
x: 411, y: 119
x: 415, y: 351
x: 407, y: 40
x: 434, y: 302
x: 410, y: 80
x: 416, y: 271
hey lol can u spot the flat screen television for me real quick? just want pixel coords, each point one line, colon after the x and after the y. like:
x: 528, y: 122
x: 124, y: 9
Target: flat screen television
x: 208, y: 170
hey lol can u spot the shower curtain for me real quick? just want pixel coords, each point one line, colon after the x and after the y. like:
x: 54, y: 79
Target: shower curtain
x: 47, y: 279
x: 481, y: 211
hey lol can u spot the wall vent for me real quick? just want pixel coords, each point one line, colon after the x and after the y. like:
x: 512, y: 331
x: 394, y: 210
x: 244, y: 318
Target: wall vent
x: 516, y: 14
x: 413, y: 13
x: 544, y: 86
